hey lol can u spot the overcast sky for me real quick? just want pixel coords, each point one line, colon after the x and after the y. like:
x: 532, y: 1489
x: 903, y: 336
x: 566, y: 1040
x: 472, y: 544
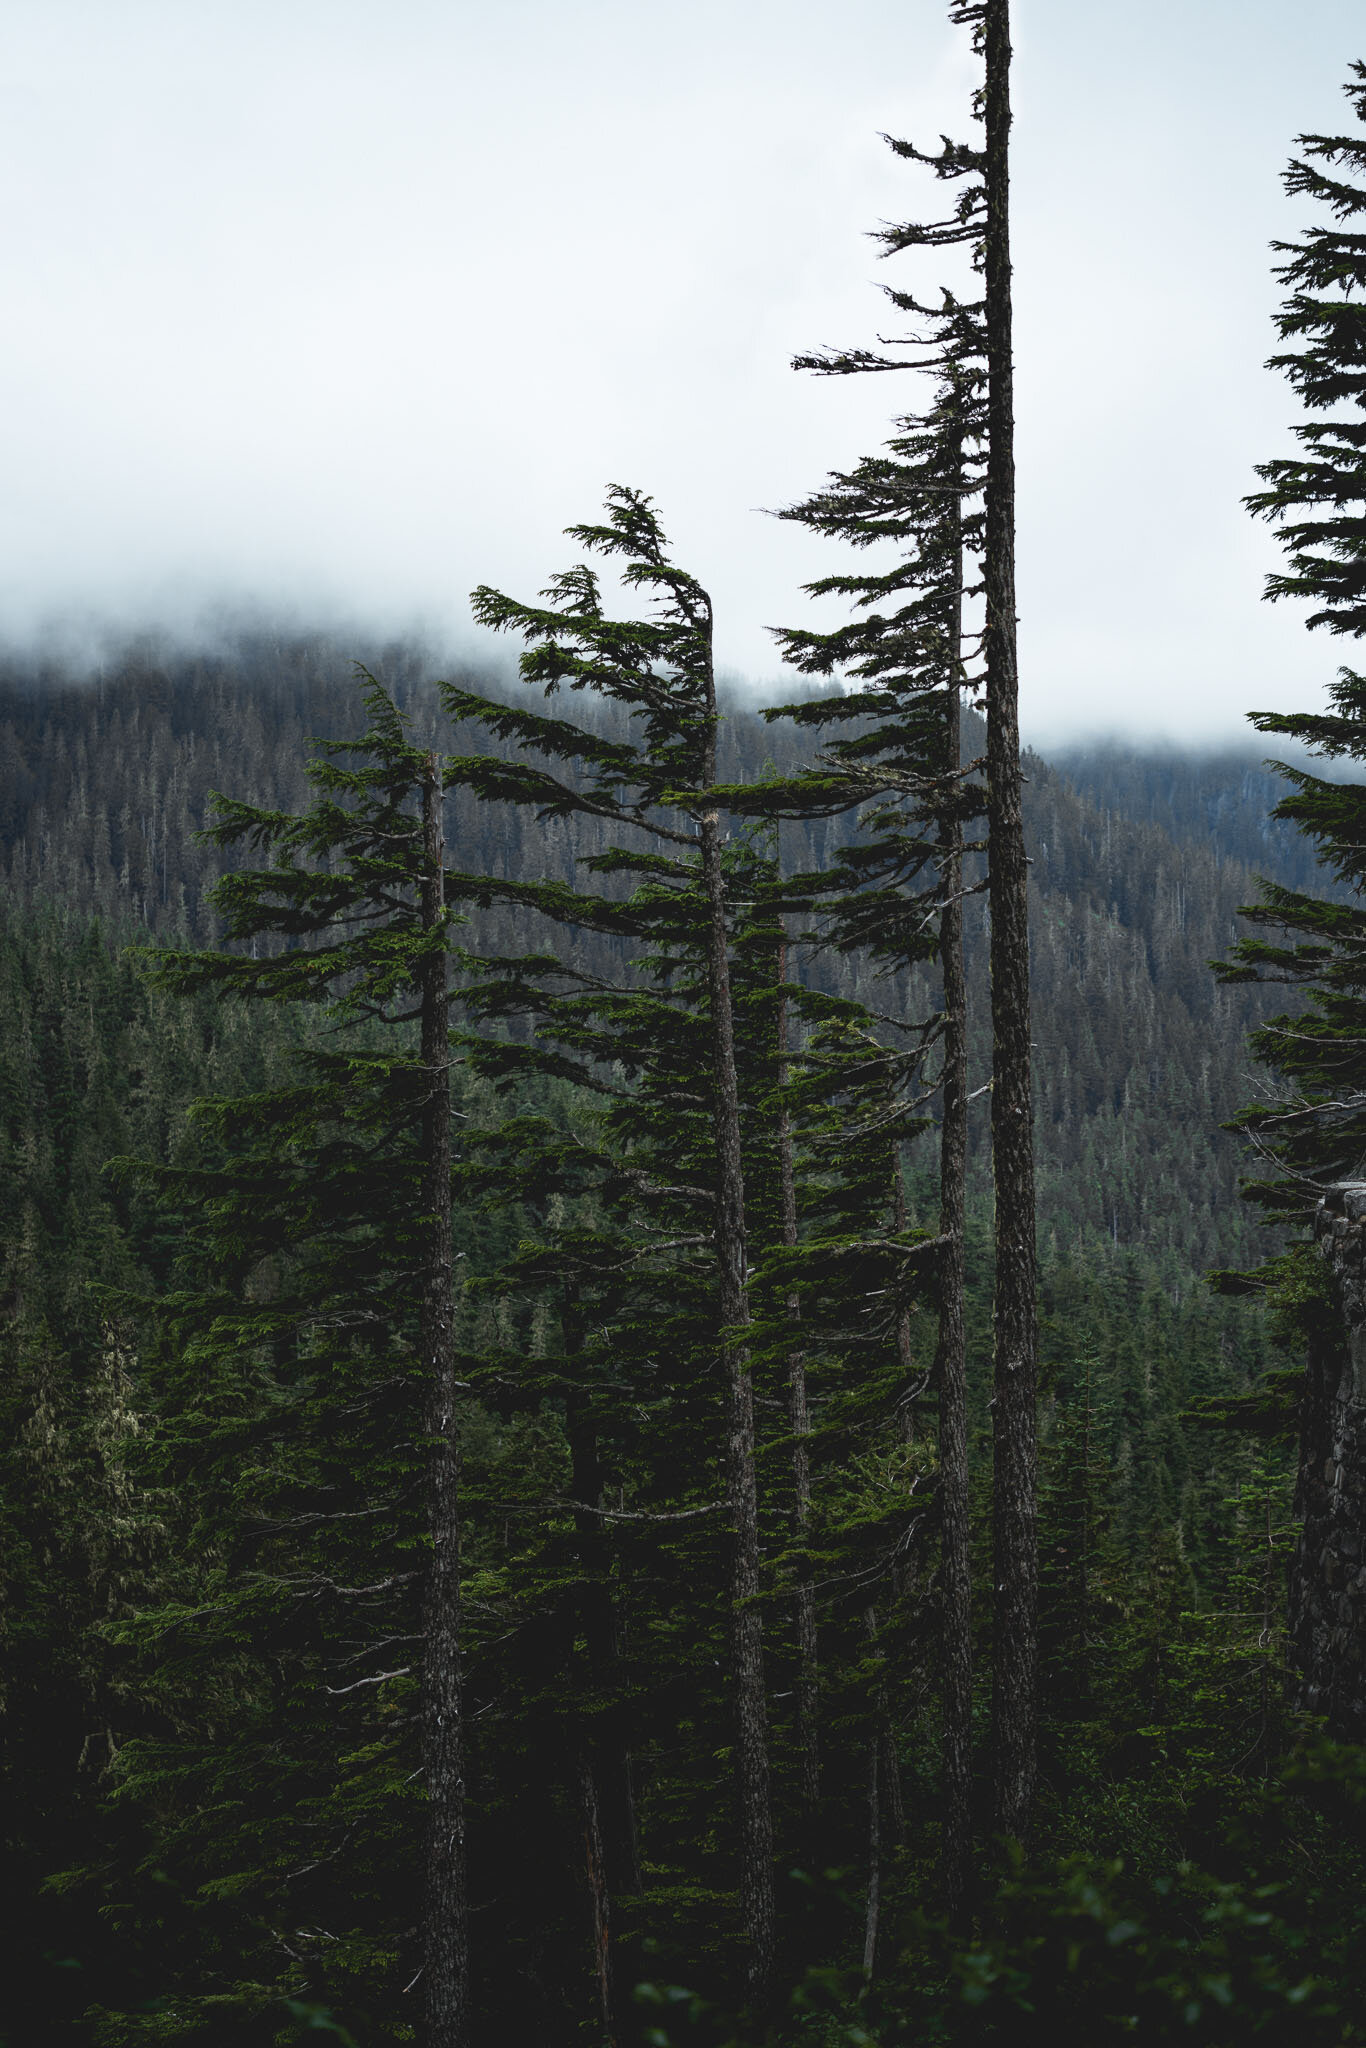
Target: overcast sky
x: 348, y: 306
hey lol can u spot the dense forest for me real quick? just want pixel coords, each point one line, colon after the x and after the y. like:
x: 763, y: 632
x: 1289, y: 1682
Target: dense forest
x: 666, y: 1359
x: 108, y: 783
x: 1156, y: 1540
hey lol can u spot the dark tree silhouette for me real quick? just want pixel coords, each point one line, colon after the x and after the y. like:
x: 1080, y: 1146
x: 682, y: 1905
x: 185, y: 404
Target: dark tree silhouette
x: 1313, y: 1135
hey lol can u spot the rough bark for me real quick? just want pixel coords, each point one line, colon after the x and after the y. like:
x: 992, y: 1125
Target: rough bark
x: 875, y: 1747
x: 747, y: 1647
x: 951, y: 1362
x: 904, y: 1355
x: 1015, y: 1632
x: 606, y: 1798
x: 600, y: 1899
x: 595, y: 1619
x: 446, y: 1966
x: 893, y: 1801
x: 808, y: 1665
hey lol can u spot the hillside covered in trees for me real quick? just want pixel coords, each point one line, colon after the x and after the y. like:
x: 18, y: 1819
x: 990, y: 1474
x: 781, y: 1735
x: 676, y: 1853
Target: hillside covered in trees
x: 1149, y: 1515
x: 1140, y: 862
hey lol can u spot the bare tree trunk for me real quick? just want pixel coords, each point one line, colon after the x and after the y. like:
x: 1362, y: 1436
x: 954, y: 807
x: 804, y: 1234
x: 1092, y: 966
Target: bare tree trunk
x: 1016, y: 1574
x: 900, y: 1219
x: 446, y: 1968
x: 808, y: 1667
x: 891, y: 1777
x: 604, y: 1780
x: 747, y: 1645
x: 951, y: 1364
x: 874, y: 1902
x: 598, y: 1614
x: 600, y: 1899
x: 586, y: 1483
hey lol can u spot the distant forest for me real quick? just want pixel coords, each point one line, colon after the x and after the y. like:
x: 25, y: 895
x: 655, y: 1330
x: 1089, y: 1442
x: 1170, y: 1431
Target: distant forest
x: 1140, y: 860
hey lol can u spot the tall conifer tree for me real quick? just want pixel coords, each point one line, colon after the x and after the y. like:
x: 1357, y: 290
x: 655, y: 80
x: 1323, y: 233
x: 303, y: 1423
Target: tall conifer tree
x: 916, y: 493
x: 906, y: 770
x: 341, y: 1184
x: 1315, y: 1133
x: 1014, y: 1437
x: 661, y: 668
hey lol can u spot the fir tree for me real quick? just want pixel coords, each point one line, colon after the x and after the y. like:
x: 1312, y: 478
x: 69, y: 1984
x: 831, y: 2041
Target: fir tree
x: 1314, y: 1133
x: 1015, y: 1556
x: 904, y: 767
x: 661, y: 669
x: 644, y: 1047
x: 914, y: 663
x: 311, y: 1349
x: 1318, y: 1135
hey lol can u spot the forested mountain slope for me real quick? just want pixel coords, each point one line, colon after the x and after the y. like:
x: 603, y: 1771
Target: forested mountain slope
x: 1140, y: 863
x: 1224, y: 795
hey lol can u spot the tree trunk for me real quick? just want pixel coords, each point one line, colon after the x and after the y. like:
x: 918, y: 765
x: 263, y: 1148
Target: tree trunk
x: 900, y: 1222
x: 611, y: 1760
x: 875, y: 1746
x: 808, y: 1667
x: 951, y: 1364
x: 446, y: 1968
x: 893, y: 1801
x: 604, y: 1768
x: 1015, y: 1636
x: 600, y: 1899
x: 747, y: 1645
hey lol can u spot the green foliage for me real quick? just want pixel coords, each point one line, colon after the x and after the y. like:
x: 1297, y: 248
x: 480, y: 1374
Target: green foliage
x: 1315, y: 1132
x: 271, y: 1777
x: 1256, y: 1935
x: 118, y: 1521
x: 95, y: 1063
x: 109, y: 1518
x: 622, y: 1256
x: 209, y: 1626
x: 1134, y: 886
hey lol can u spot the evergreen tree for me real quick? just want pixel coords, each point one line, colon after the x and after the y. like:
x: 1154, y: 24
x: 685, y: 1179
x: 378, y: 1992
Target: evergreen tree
x: 617, y: 1245
x: 1314, y: 1134
x: 92, y: 1063
x: 310, y: 1350
x: 914, y: 659
x: 816, y: 1122
x: 1318, y: 1135
x: 661, y: 668
x: 903, y: 764
x: 1015, y: 1556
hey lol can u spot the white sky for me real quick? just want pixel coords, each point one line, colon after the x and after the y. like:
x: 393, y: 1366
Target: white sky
x: 349, y: 306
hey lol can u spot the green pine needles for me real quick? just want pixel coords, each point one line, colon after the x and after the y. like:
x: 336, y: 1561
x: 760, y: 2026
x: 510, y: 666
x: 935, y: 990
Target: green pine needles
x: 305, y: 1426
x: 1315, y: 1132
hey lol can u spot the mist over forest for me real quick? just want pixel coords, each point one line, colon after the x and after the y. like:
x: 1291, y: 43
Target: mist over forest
x: 681, y: 1359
